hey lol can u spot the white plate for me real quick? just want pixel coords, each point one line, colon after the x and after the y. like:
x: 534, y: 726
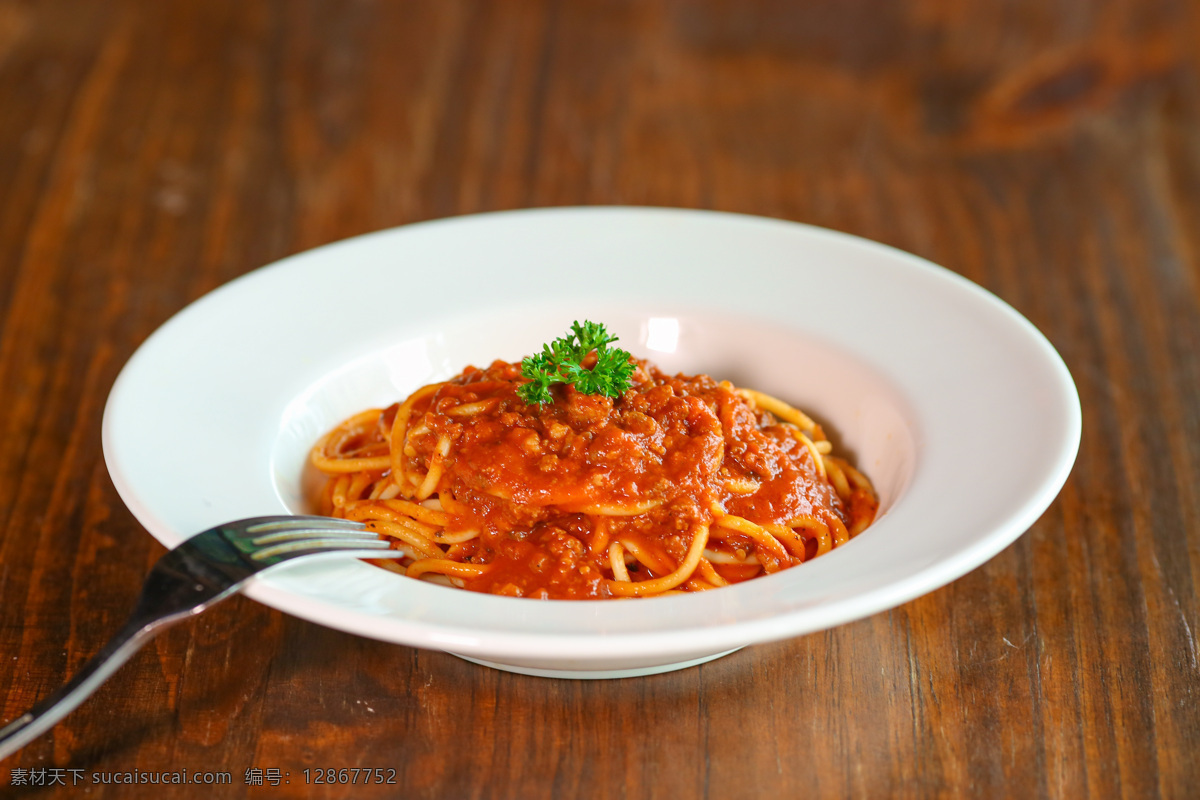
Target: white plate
x: 951, y: 402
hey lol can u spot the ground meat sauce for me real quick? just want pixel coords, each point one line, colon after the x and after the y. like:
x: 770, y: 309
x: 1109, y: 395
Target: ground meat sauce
x: 550, y: 486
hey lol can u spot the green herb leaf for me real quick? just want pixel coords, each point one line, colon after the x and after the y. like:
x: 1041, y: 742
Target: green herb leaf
x: 561, y: 361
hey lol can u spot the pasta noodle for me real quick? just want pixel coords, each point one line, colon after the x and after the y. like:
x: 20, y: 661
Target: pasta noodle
x: 681, y: 484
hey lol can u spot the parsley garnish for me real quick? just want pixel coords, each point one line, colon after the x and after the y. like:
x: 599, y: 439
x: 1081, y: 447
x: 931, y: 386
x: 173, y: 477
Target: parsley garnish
x: 561, y: 360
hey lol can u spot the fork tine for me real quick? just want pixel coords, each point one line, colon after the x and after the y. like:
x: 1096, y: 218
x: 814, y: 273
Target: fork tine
x: 292, y: 523
x: 376, y: 548
x: 315, y: 530
x: 269, y: 530
x: 291, y: 537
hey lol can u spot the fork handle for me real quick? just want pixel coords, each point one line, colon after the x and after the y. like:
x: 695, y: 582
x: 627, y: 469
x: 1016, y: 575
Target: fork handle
x: 50, y: 710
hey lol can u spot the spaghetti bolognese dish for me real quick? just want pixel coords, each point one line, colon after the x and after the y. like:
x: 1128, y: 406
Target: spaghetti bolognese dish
x: 584, y: 473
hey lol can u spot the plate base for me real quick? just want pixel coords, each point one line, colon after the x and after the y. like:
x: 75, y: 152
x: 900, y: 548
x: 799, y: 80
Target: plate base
x: 598, y: 674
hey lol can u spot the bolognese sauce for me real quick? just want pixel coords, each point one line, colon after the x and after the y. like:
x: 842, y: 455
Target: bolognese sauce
x: 680, y: 483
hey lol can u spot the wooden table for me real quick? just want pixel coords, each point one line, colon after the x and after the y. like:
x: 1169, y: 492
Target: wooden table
x: 1047, y: 150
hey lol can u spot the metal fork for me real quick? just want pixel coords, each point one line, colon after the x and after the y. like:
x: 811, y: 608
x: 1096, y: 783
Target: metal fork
x: 197, y: 574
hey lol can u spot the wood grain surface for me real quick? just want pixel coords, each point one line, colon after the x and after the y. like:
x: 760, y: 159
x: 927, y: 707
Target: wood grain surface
x: 1048, y: 150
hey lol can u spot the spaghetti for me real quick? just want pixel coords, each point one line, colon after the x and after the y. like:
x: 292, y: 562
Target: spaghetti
x: 681, y: 484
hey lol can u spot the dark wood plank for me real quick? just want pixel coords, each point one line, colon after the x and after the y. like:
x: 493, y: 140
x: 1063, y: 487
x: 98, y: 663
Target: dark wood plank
x: 1048, y: 150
